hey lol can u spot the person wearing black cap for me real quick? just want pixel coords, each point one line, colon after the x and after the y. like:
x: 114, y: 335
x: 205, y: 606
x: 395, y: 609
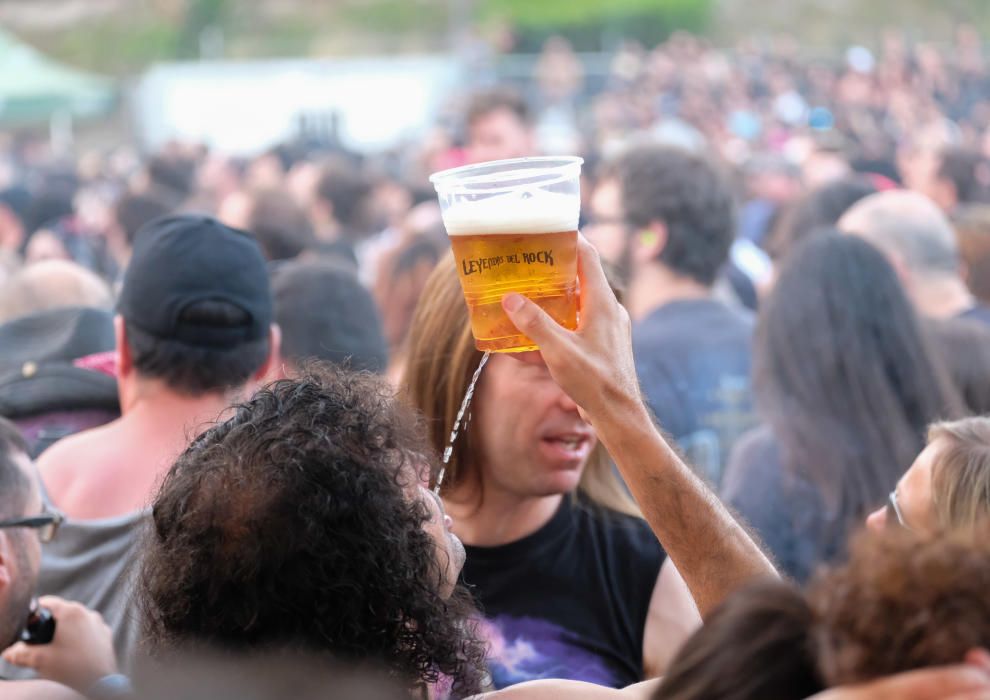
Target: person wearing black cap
x: 194, y: 331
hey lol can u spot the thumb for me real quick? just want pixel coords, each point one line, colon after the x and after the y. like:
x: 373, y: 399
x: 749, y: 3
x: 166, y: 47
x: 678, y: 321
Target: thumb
x: 530, y: 319
x: 20, y: 654
x: 53, y: 603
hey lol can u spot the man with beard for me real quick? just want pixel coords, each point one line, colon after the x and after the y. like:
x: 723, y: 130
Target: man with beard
x: 79, y: 655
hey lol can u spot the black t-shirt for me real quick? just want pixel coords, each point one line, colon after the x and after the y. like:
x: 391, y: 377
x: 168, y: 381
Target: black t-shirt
x: 693, y: 359
x: 570, y: 600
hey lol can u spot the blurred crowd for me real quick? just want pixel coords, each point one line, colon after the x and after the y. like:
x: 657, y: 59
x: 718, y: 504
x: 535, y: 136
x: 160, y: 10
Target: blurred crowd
x: 238, y: 435
x: 782, y: 122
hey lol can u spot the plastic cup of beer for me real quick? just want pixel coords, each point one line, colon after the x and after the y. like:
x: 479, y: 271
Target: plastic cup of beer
x: 513, y: 228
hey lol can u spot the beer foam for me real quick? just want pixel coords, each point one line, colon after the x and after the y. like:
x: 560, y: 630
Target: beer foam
x: 538, y: 212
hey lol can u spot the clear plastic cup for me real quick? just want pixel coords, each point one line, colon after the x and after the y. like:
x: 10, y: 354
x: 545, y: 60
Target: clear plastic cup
x: 513, y: 228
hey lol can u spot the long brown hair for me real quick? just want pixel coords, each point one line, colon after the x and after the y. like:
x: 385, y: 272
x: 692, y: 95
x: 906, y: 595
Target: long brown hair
x: 442, y: 359
x: 845, y: 377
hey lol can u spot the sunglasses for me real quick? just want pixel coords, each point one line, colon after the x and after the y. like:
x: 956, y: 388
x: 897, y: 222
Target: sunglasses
x: 47, y: 524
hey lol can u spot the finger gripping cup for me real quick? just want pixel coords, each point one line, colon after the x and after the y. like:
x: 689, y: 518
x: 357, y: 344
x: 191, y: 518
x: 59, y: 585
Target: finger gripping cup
x: 513, y: 228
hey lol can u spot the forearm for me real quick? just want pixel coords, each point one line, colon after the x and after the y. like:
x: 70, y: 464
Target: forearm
x: 597, y: 369
x: 712, y: 551
x: 572, y: 690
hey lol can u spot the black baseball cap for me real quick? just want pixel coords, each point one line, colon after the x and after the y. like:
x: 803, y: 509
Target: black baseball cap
x: 181, y: 260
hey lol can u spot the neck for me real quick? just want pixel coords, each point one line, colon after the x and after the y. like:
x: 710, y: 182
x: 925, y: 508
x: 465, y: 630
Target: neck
x: 499, y: 518
x: 654, y: 285
x: 134, y: 452
x: 941, y: 297
x: 153, y: 403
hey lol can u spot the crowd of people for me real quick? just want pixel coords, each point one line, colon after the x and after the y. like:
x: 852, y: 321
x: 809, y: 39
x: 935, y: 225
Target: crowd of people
x: 759, y: 468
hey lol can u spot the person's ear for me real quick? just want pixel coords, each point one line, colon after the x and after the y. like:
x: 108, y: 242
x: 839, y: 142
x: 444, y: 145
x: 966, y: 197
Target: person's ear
x: 125, y: 359
x: 648, y: 242
x: 271, y: 368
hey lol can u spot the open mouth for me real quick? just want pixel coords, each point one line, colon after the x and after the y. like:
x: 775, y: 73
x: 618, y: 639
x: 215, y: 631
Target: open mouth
x: 569, y: 442
x: 569, y: 446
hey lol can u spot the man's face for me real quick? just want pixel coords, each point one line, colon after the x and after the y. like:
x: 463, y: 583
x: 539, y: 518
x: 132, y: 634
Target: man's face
x: 497, y: 135
x: 606, y: 229
x: 913, y: 495
x: 533, y: 441
x: 21, y: 551
x: 450, y: 551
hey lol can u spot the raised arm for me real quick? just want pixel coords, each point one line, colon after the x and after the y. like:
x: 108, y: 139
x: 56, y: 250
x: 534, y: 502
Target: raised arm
x: 594, y: 365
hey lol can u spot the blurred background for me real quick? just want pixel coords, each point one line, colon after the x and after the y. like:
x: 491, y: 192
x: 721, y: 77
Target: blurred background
x: 317, y: 124
x: 369, y: 74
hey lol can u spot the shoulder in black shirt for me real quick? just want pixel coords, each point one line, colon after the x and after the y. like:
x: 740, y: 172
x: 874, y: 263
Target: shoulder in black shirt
x: 570, y: 600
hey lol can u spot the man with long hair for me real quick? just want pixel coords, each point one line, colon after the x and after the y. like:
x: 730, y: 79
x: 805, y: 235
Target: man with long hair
x: 572, y: 580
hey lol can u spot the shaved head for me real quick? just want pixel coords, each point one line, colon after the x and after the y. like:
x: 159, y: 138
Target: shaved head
x: 52, y: 284
x: 909, y: 227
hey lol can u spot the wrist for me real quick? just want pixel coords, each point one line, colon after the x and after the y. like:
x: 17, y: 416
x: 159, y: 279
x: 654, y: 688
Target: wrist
x: 93, y: 675
x: 622, y: 419
x: 623, y: 411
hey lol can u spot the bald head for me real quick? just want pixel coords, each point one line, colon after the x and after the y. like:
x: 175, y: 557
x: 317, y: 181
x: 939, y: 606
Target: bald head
x: 908, y: 227
x: 49, y: 285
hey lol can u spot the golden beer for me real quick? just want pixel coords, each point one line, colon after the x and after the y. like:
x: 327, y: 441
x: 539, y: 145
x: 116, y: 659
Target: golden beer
x: 513, y: 228
x: 541, y: 266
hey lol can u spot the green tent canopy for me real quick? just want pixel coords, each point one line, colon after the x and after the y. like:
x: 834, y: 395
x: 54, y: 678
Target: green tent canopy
x: 34, y: 88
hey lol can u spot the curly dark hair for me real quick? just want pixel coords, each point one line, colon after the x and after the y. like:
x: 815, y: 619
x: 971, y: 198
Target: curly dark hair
x: 903, y: 601
x: 690, y: 196
x: 291, y: 525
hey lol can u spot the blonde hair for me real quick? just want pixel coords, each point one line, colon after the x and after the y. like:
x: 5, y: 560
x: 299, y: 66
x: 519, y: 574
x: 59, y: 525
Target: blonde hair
x: 961, y: 472
x: 440, y: 361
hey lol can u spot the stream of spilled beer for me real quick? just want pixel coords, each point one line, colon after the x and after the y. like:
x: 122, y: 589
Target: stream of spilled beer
x: 465, y: 403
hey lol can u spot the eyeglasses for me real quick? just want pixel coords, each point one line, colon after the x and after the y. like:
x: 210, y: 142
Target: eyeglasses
x: 894, y: 511
x: 46, y: 524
